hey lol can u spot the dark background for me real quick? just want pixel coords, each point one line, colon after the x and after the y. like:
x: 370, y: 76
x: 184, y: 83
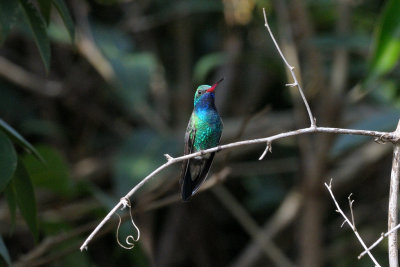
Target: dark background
x: 119, y: 96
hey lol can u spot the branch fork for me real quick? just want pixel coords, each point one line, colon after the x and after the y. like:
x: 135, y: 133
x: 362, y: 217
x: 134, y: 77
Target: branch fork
x: 168, y: 157
x: 351, y: 224
x: 267, y: 149
x: 383, y: 235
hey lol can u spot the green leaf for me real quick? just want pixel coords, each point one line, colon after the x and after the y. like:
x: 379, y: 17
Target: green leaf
x: 38, y: 28
x: 45, y: 8
x: 386, y: 49
x: 8, y: 11
x: 53, y: 175
x: 8, y: 160
x: 66, y: 17
x: 4, y: 252
x: 19, y: 139
x: 25, y: 197
x: 12, y: 204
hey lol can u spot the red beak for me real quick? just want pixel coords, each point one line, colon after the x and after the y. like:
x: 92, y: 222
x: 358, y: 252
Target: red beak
x: 212, y: 88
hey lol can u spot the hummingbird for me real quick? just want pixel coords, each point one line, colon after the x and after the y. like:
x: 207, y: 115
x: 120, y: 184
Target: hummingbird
x: 203, y: 132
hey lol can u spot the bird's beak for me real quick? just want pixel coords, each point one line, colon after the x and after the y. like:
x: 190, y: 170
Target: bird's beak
x: 212, y: 88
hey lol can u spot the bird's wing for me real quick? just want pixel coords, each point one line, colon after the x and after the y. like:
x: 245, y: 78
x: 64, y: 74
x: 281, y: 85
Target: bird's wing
x: 194, y: 170
x: 190, y: 136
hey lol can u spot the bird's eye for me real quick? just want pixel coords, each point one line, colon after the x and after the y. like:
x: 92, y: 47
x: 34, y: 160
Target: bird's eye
x: 199, y: 92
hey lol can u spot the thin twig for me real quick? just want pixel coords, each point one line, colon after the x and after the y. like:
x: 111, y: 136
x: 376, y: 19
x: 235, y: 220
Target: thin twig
x: 291, y: 68
x: 351, y: 209
x: 383, y: 235
x: 268, y: 148
x: 353, y: 227
x: 312, y: 129
x: 170, y: 160
x: 393, y: 203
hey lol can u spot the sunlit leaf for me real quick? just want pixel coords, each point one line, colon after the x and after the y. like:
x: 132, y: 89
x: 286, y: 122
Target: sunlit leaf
x: 386, y: 50
x: 4, y: 253
x: 8, y: 160
x: 38, y: 28
x: 25, y: 197
x: 53, y: 175
x: 66, y: 17
x: 58, y: 33
x: 8, y: 11
x: 19, y: 139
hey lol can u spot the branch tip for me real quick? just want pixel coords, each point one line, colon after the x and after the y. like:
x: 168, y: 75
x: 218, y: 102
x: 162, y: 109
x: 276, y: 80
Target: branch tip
x: 169, y: 158
x: 352, y: 225
x: 291, y: 84
x: 267, y: 149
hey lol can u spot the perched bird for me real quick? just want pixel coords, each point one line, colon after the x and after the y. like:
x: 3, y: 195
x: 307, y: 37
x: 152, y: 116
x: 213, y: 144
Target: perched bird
x: 203, y: 132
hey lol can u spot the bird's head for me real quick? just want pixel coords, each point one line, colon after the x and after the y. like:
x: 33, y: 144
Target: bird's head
x: 205, y: 91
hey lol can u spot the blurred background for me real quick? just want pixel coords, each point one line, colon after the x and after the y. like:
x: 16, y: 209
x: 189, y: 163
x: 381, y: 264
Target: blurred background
x: 102, y: 89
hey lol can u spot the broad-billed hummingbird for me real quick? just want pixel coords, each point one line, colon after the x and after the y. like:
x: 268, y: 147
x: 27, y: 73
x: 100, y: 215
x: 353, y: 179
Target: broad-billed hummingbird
x: 203, y: 132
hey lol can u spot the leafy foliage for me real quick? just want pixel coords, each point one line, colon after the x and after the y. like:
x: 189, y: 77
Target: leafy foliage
x: 14, y: 178
x: 53, y: 174
x: 38, y: 28
x: 8, y: 161
x: 63, y: 10
x: 386, y: 50
x: 25, y: 197
x: 19, y: 139
x: 37, y: 18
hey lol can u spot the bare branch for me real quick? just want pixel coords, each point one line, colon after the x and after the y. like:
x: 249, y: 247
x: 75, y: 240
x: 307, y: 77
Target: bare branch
x: 172, y: 161
x: 393, y: 204
x: 168, y: 157
x: 267, y: 149
x: 312, y: 129
x: 351, y: 209
x: 383, y: 235
x: 291, y: 68
x: 353, y: 227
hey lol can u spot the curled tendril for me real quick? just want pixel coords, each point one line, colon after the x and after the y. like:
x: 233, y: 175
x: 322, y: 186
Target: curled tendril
x: 130, y: 239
